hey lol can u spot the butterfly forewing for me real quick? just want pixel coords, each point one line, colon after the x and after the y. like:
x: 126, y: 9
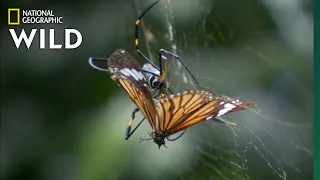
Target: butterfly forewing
x: 181, y: 111
x: 126, y: 71
x: 122, y: 64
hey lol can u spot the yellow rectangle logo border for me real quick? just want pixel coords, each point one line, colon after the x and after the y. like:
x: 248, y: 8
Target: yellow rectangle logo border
x: 18, y: 15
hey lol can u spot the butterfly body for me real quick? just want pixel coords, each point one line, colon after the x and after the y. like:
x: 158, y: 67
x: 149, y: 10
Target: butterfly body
x: 159, y: 139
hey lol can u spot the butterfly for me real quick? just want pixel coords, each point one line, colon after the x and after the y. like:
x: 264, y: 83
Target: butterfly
x: 168, y: 114
x: 149, y: 76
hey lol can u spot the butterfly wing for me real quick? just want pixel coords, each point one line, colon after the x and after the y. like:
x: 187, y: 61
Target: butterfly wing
x: 180, y: 111
x: 123, y: 65
x: 126, y: 71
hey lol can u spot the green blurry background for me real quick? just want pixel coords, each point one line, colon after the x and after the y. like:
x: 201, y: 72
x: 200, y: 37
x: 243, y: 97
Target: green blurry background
x: 63, y: 120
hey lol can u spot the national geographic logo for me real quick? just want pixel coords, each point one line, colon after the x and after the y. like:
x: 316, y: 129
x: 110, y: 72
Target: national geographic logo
x: 17, y: 16
x: 32, y: 17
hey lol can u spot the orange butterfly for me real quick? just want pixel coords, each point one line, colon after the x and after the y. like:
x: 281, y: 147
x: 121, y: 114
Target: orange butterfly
x: 171, y: 113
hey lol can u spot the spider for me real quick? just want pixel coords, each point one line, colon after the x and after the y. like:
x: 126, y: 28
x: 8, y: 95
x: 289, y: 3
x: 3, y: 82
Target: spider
x: 156, y: 76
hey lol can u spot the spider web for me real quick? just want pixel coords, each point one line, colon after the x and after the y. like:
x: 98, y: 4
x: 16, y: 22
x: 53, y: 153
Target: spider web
x: 230, y: 47
x: 271, y: 141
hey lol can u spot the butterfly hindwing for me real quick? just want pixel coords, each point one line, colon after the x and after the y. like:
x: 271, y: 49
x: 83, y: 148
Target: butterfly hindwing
x: 181, y: 111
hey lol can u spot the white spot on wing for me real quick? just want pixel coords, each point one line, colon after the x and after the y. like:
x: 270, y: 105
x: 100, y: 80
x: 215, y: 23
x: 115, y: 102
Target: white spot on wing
x: 131, y: 73
x: 124, y: 72
x: 137, y: 73
x: 227, y: 107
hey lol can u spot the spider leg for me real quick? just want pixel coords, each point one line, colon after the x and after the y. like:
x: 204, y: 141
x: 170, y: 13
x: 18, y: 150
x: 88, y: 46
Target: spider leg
x: 149, y: 72
x: 163, y: 67
x: 176, y: 137
x: 128, y: 131
x: 162, y: 51
x: 91, y: 59
x: 137, y: 35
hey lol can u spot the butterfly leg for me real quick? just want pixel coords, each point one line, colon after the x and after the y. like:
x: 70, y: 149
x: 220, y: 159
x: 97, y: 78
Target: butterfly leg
x: 176, y: 137
x: 92, y: 59
x: 146, y: 139
x: 128, y: 131
x: 162, y: 51
x: 137, y: 35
